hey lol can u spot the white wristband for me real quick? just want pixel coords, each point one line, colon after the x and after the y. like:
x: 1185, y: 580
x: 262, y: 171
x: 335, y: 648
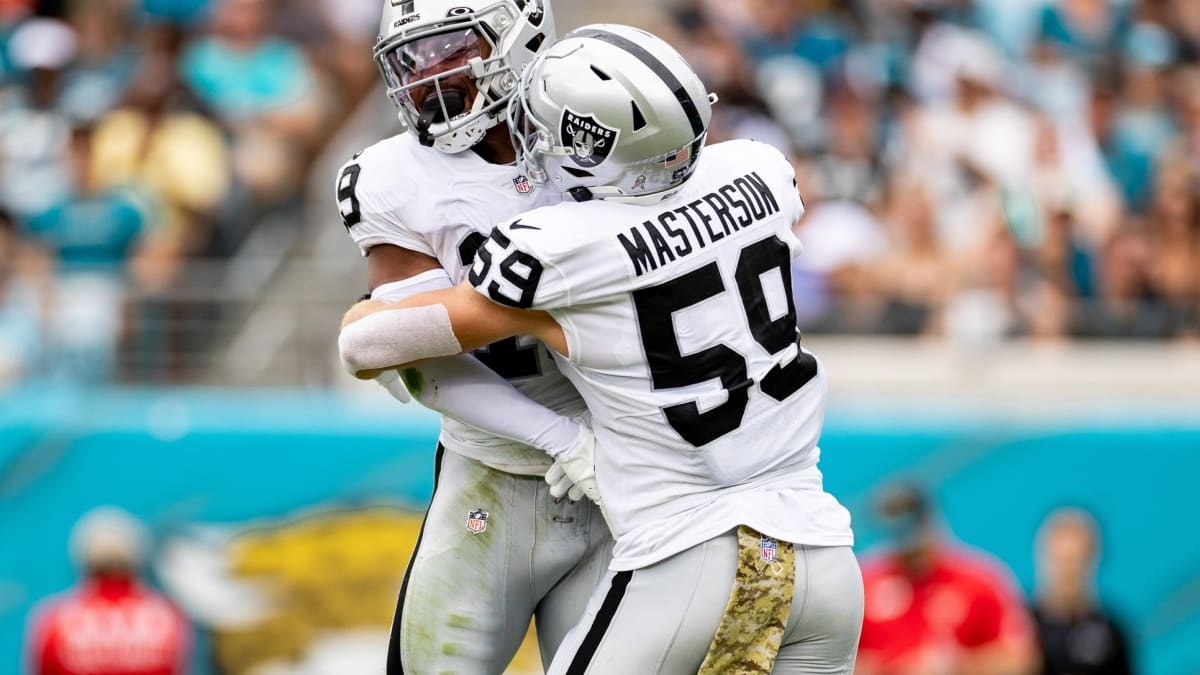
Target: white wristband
x: 397, y: 337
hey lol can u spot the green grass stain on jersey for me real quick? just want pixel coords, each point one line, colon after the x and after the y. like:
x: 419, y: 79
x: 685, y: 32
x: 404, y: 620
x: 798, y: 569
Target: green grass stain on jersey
x: 459, y: 621
x: 414, y: 381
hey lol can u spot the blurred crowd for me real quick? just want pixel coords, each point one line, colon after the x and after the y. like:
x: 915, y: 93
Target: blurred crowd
x: 974, y: 169
x: 977, y: 169
x: 142, y: 140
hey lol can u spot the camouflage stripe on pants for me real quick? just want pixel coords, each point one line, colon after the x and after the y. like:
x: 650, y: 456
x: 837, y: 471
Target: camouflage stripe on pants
x: 748, y: 638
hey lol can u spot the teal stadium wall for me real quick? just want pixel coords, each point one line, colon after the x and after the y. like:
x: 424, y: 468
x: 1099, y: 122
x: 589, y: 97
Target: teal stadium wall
x: 209, y: 456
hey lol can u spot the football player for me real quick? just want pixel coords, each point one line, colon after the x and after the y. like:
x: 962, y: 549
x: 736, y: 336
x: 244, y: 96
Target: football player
x: 498, y: 545
x: 664, y: 287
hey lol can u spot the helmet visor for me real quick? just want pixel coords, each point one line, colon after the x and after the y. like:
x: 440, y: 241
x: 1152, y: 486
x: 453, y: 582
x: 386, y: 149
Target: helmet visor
x: 413, y: 67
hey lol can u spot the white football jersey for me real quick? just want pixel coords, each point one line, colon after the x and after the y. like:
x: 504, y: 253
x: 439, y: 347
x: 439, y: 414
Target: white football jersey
x: 398, y: 192
x: 682, y: 335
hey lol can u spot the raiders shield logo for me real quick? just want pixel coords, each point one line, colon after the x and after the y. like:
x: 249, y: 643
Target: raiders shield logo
x: 592, y: 141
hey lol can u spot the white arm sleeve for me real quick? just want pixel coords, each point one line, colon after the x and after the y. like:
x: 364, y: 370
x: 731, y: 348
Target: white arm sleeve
x: 463, y: 388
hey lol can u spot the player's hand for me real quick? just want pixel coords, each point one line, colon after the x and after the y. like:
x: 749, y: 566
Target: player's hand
x: 574, y: 472
x: 394, y: 384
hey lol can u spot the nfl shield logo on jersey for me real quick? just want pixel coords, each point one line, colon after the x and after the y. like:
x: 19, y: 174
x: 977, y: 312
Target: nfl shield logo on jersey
x: 770, y: 549
x: 523, y: 185
x: 477, y: 521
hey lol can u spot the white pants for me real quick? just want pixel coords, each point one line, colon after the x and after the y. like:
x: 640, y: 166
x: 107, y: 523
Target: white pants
x: 662, y: 618
x: 468, y: 596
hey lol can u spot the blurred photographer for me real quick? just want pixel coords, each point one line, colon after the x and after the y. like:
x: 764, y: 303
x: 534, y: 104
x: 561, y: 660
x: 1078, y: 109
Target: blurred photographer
x: 936, y: 607
x: 110, y: 624
x: 1077, y: 635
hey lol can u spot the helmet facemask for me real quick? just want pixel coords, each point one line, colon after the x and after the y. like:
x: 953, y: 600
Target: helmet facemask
x: 452, y: 79
x: 532, y: 138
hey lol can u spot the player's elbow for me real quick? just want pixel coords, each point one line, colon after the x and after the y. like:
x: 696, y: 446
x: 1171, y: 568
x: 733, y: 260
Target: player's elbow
x: 356, y: 350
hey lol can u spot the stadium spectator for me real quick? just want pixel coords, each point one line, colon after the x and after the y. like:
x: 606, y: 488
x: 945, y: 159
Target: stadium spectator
x: 92, y: 234
x: 351, y: 27
x: 105, y: 60
x: 935, y: 607
x: 242, y: 70
x: 1144, y: 122
x: 832, y: 281
x: 1126, y: 304
x: 992, y: 299
x: 35, y: 170
x: 818, y: 33
x: 262, y: 87
x: 161, y: 140
x: 24, y: 281
x: 11, y: 14
x: 917, y: 274
x: 111, y: 624
x: 1085, y: 30
x: 1077, y: 636
x: 849, y: 167
x: 1184, y: 18
x: 1173, y: 234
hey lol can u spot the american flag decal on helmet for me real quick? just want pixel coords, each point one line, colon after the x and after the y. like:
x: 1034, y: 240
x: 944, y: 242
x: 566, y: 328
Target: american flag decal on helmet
x: 678, y: 158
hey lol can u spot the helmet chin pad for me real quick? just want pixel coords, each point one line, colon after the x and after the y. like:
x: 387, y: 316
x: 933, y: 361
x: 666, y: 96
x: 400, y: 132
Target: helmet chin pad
x: 437, y: 110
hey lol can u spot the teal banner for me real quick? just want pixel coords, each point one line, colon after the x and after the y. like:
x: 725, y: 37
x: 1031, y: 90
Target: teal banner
x: 340, y: 484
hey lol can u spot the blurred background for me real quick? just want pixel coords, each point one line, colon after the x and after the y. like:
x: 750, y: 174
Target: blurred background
x: 1002, y: 274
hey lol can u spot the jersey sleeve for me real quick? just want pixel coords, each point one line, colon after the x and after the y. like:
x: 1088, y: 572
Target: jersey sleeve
x: 779, y: 174
x: 372, y: 201
x: 777, y: 169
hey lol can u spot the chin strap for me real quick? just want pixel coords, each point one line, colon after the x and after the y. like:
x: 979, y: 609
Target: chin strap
x: 581, y: 194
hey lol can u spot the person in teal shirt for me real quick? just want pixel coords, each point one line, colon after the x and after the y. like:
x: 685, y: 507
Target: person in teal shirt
x: 242, y: 71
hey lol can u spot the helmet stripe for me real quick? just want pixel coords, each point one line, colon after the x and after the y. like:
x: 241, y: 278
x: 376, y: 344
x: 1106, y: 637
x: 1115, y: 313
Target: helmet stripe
x: 659, y: 68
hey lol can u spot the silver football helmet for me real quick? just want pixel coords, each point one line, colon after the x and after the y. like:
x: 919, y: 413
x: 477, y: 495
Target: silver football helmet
x: 610, y: 112
x: 452, y: 66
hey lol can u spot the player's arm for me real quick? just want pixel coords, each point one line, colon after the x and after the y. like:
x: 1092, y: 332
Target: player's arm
x: 396, y: 270
x: 379, y: 336
x: 454, y: 386
x: 388, y: 264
